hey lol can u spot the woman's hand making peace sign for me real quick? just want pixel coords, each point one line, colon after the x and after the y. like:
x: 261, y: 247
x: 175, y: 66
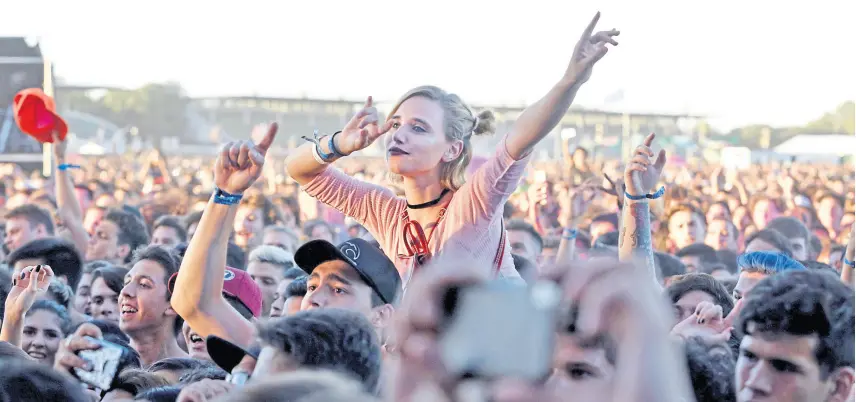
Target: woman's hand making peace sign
x: 363, y: 129
x: 588, y: 51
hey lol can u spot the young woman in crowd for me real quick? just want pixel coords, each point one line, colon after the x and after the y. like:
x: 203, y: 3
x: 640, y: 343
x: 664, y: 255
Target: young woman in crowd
x: 45, y: 325
x: 428, y: 149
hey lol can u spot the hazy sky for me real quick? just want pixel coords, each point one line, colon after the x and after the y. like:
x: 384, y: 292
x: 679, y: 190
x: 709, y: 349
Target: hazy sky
x: 737, y: 61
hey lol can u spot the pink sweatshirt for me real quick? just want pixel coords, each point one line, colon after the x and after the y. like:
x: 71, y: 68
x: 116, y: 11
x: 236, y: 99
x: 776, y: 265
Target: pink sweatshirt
x: 472, y: 223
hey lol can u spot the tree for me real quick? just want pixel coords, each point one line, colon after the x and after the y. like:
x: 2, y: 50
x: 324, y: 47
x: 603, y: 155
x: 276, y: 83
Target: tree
x: 840, y: 121
x: 157, y: 110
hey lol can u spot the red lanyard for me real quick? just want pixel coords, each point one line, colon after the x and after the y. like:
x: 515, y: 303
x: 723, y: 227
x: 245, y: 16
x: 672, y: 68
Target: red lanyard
x: 415, y: 240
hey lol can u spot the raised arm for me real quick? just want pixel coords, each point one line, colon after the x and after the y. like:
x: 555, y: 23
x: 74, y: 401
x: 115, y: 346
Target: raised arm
x: 305, y: 162
x: 640, y: 176
x: 542, y: 117
x: 198, y: 296
x: 68, y: 206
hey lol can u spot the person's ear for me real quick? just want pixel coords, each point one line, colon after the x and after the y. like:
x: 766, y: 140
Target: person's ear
x: 841, y: 383
x: 122, y: 251
x: 453, y: 151
x: 381, y: 316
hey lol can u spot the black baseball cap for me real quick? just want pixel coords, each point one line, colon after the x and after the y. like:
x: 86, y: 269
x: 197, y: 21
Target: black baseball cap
x: 373, y: 266
x: 226, y: 354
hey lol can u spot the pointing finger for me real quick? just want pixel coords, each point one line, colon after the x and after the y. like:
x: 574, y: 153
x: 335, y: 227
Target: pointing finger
x: 590, y: 27
x: 369, y: 102
x: 267, y: 140
x: 649, y: 140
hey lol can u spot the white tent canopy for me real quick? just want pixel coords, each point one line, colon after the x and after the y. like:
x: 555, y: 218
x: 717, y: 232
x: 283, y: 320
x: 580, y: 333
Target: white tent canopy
x: 822, y: 144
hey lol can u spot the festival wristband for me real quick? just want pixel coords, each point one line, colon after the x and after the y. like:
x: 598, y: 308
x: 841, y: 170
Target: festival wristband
x: 848, y: 262
x: 318, y: 157
x: 569, y: 234
x: 223, y: 198
x: 654, y: 196
x: 65, y: 166
x: 332, y: 145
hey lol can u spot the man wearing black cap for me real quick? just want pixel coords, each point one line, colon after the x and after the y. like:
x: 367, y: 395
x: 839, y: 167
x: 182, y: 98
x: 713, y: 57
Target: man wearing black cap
x: 354, y: 275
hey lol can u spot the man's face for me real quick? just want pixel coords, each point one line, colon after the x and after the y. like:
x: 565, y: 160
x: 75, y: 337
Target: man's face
x: 165, y: 236
x: 780, y: 367
x: 81, y: 295
x: 143, y: 302
x: 685, y: 228
x: 686, y: 305
x: 93, y: 217
x: 19, y: 231
x: 745, y: 282
x: 267, y: 276
x: 764, y: 212
x: 281, y: 240
x: 524, y: 245
x: 249, y: 224
x: 337, y: 284
x: 104, y: 244
x: 721, y: 236
x: 581, y: 371
x: 799, y: 247
x: 279, y: 298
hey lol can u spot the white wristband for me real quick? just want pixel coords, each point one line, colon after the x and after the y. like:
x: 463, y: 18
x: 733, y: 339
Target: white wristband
x: 317, y: 156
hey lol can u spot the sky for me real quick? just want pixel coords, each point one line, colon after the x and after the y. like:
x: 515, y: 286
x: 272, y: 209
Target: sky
x: 759, y: 61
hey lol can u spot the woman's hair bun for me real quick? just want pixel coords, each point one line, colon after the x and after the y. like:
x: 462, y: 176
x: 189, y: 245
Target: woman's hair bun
x: 486, y: 123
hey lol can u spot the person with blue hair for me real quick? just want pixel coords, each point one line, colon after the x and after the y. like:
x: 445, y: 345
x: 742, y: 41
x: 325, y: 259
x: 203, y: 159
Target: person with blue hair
x: 758, y: 265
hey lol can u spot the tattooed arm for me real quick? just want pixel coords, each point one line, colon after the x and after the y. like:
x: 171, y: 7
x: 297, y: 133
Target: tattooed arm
x: 634, y: 241
x: 640, y: 176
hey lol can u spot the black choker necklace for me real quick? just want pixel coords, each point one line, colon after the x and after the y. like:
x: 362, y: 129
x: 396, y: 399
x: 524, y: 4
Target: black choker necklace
x: 429, y: 203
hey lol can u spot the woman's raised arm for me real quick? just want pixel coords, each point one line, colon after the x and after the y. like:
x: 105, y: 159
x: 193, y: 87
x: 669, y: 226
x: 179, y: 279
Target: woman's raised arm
x: 541, y: 117
x: 309, y: 160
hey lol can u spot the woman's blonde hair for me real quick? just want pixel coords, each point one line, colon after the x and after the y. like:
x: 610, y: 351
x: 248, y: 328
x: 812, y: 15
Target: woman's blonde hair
x: 460, y: 123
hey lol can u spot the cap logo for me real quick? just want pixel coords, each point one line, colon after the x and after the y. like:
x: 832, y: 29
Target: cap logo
x: 228, y: 275
x: 350, y: 250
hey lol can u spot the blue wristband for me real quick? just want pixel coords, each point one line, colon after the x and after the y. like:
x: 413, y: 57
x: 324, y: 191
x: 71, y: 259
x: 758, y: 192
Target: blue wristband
x: 332, y: 146
x: 65, y: 166
x: 848, y: 262
x: 654, y: 196
x: 569, y: 234
x: 223, y: 198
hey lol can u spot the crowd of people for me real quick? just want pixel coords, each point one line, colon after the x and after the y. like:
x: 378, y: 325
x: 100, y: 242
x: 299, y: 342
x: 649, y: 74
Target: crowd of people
x: 244, y: 278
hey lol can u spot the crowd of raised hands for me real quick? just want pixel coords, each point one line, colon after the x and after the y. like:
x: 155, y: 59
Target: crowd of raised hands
x: 643, y: 279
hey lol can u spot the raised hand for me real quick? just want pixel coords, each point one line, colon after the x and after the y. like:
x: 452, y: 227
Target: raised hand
x: 574, y: 201
x: 362, y: 130
x: 708, y: 323
x: 240, y: 163
x: 59, y: 147
x: 588, y: 51
x: 26, y: 287
x: 641, y: 173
